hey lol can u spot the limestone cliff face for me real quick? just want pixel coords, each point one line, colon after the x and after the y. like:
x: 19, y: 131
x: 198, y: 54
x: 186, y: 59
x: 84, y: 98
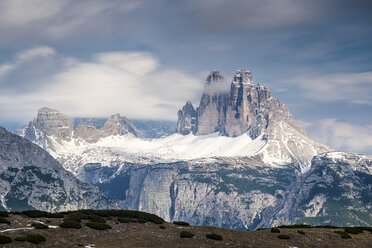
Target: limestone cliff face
x: 186, y: 119
x: 245, y: 108
x: 51, y: 123
x: 212, y: 107
x: 30, y: 178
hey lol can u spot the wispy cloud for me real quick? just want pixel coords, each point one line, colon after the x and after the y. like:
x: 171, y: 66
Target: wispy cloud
x: 341, y: 135
x: 57, y: 18
x: 132, y: 83
x: 352, y: 87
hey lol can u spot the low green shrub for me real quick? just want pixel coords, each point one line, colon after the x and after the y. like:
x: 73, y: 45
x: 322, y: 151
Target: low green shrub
x: 5, y: 239
x: 181, y: 223
x: 40, y: 214
x: 275, y: 230
x: 353, y: 230
x: 35, y: 238
x: 327, y: 226
x: 98, y: 225
x: 301, y: 232
x: 20, y: 238
x: 296, y: 226
x: 4, y: 214
x: 283, y: 236
x: 39, y: 225
x: 186, y: 234
x: 162, y: 227
x: 213, y: 236
x: 67, y: 223
x: 95, y: 218
x: 3, y: 220
x: 365, y: 228
x: 343, y: 234
x: 127, y: 220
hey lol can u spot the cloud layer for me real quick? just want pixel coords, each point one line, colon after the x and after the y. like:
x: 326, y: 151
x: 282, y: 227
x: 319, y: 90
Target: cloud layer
x: 134, y: 84
x: 341, y: 135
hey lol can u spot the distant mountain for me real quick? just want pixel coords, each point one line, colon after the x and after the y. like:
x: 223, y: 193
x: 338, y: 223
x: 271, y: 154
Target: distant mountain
x: 249, y: 109
x: 238, y: 160
x: 32, y: 179
x: 147, y: 128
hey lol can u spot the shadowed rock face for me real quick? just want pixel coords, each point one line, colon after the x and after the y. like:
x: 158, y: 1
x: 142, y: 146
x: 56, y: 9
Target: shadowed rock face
x: 186, y: 119
x: 31, y: 178
x: 246, y: 107
x: 52, y: 123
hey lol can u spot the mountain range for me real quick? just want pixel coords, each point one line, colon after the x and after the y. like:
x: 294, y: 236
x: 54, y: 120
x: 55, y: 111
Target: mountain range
x: 238, y: 160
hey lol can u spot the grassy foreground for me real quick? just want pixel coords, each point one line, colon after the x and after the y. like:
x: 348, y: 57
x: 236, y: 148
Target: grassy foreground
x: 126, y: 228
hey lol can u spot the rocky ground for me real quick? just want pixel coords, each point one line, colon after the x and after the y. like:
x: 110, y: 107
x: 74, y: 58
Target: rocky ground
x: 168, y: 235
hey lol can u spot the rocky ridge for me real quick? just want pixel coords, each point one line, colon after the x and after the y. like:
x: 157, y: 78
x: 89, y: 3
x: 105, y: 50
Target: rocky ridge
x: 30, y: 178
x: 52, y: 124
x: 249, y: 109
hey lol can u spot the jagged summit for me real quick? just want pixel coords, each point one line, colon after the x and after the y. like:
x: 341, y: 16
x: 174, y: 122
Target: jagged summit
x: 214, y: 76
x: 250, y: 109
x: 52, y: 124
x: 243, y: 76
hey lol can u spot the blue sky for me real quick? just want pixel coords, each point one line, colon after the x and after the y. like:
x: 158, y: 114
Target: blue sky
x: 144, y: 59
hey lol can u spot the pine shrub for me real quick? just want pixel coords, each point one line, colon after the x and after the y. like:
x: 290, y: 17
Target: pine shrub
x: 3, y: 220
x: 5, y: 239
x: 213, y: 236
x: 301, y: 232
x: 186, y: 234
x: 67, y: 223
x: 275, y: 230
x: 39, y: 225
x: 283, y: 236
x: 343, y: 234
x: 98, y: 225
x: 20, y: 238
x: 181, y: 223
x: 35, y: 238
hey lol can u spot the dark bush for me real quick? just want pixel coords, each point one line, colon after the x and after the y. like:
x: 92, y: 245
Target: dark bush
x: 3, y: 220
x: 343, y: 234
x: 76, y: 216
x: 5, y: 239
x: 127, y: 220
x: 365, y: 228
x: 40, y: 214
x: 4, y: 214
x: 283, y: 236
x: 95, y: 218
x: 275, y: 230
x: 162, y: 227
x: 296, y: 226
x: 301, y: 232
x: 39, y: 225
x: 327, y: 226
x: 181, y: 223
x: 353, y: 230
x: 98, y: 225
x: 67, y: 223
x: 20, y: 239
x: 186, y: 234
x: 213, y: 236
x: 35, y: 238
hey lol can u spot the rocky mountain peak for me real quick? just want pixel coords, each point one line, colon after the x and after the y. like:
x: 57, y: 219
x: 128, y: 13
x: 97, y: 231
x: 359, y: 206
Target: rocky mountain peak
x: 119, y: 125
x: 186, y: 119
x: 243, y: 76
x: 214, y: 76
x: 53, y: 123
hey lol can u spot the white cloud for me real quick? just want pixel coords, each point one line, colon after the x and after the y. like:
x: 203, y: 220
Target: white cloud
x: 134, y: 84
x: 24, y: 56
x: 59, y: 18
x: 352, y: 87
x: 341, y: 135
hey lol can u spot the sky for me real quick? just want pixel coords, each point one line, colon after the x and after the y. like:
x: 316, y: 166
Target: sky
x: 145, y: 58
